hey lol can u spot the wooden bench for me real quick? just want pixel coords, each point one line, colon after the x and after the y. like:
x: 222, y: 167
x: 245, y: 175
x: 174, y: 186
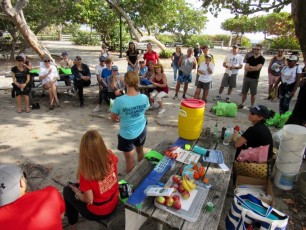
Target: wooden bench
x: 119, y: 211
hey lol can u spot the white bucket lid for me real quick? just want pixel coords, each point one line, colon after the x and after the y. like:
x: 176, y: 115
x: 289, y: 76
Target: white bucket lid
x: 296, y: 131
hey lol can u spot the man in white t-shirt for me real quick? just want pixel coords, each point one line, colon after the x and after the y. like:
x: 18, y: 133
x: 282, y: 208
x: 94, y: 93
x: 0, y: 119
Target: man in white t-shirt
x: 205, y: 71
x: 232, y: 63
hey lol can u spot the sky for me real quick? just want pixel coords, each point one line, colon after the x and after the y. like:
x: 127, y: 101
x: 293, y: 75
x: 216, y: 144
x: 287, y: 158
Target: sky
x: 214, y: 24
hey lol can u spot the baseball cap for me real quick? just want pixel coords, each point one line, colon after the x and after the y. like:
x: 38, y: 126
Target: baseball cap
x: 235, y: 46
x: 208, y: 56
x: 10, y: 176
x: 102, y: 58
x: 114, y: 68
x: 78, y: 58
x: 19, y: 58
x: 197, y: 44
x: 64, y: 53
x: 260, y: 110
x: 293, y: 58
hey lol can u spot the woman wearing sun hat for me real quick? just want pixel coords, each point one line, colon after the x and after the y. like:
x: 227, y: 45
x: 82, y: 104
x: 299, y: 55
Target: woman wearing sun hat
x: 290, y: 78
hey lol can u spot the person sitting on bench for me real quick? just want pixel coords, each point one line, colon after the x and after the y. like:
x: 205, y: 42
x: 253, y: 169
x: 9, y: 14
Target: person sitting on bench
x: 82, y: 77
x: 95, y: 197
x: 48, y: 75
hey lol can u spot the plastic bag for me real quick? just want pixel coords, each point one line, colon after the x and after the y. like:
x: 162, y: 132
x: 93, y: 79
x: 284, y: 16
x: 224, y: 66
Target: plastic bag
x: 283, y: 119
x: 273, y: 120
x: 225, y: 109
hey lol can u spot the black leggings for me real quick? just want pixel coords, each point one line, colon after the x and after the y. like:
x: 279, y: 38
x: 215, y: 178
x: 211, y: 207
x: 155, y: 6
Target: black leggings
x: 74, y: 207
x: 80, y: 84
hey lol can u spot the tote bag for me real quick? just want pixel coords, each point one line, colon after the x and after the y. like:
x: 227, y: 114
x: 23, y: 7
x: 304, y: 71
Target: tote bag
x: 248, y: 212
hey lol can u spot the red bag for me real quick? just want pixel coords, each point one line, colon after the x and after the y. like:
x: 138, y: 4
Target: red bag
x: 259, y: 154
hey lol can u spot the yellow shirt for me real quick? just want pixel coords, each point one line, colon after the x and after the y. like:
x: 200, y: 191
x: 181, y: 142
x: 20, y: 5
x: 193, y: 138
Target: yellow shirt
x: 202, y: 59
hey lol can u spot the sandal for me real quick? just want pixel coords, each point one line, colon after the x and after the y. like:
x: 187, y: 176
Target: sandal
x: 19, y: 111
x: 28, y: 111
x: 50, y: 107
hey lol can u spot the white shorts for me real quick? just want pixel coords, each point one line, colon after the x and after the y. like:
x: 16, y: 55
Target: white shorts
x: 157, y: 96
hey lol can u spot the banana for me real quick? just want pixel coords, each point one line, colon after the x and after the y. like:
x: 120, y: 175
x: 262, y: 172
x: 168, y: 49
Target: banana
x: 190, y: 183
x: 185, y: 185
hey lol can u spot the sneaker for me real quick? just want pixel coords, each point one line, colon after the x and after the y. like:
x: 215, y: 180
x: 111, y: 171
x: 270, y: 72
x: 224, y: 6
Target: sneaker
x: 228, y: 100
x: 97, y: 108
x: 161, y: 111
x: 184, y: 97
x: 175, y: 97
x: 217, y: 98
x: 241, y: 106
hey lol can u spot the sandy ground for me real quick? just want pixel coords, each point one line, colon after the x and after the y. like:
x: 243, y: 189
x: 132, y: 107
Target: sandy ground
x: 45, y: 143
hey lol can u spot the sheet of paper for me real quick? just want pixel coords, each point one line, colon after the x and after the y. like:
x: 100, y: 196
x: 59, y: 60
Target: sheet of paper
x: 224, y: 167
x: 186, y: 156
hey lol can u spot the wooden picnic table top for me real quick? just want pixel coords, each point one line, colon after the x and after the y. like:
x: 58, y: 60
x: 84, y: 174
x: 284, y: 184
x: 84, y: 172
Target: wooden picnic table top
x: 218, y: 178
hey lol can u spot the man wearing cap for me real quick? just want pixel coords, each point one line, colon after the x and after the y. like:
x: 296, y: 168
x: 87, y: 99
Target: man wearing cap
x: 115, y: 84
x: 66, y: 63
x: 197, y: 52
x: 205, y: 52
x: 41, y: 209
x: 250, y: 81
x: 232, y: 63
x: 290, y: 78
x: 258, y: 134
x: 82, y: 77
x: 102, y: 83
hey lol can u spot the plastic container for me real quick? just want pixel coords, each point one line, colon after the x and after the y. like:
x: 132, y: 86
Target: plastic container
x: 227, y: 136
x: 283, y: 180
x: 197, y: 203
x: 199, y: 150
x: 191, y: 119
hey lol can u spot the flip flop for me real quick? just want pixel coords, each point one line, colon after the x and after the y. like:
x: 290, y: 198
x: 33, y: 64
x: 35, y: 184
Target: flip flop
x: 19, y: 111
x: 28, y: 111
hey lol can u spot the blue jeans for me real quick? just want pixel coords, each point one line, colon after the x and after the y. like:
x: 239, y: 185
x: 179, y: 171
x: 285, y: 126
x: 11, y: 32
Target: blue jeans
x: 130, y: 68
x: 175, y: 71
x: 285, y: 96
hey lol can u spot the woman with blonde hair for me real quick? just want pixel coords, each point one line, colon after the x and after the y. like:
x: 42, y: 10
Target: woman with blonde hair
x: 131, y: 108
x: 159, y: 80
x: 175, y: 58
x: 96, y: 195
x: 49, y: 75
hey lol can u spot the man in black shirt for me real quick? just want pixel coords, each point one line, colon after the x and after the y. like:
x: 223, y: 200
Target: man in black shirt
x: 250, y: 81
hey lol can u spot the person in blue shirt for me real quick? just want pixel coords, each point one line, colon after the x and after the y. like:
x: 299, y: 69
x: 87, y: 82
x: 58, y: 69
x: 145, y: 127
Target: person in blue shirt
x: 143, y: 69
x: 130, y: 110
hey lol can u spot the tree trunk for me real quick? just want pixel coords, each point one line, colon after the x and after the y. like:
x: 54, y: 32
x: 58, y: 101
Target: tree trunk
x: 15, y: 14
x: 133, y: 30
x: 298, y: 9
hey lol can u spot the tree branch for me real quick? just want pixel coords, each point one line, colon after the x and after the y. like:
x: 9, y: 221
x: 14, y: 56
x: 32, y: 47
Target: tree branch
x: 21, y: 4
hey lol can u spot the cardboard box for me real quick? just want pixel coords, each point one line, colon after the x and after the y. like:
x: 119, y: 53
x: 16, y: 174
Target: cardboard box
x: 244, y: 180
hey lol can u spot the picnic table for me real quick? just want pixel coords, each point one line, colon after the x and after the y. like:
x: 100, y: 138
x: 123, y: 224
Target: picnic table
x: 218, y: 178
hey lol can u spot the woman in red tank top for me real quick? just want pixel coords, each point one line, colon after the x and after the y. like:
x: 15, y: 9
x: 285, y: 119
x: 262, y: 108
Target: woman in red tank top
x: 159, y: 80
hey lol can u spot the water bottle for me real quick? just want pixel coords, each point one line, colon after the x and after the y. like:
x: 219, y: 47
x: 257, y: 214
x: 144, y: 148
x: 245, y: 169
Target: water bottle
x: 227, y: 135
x: 199, y: 150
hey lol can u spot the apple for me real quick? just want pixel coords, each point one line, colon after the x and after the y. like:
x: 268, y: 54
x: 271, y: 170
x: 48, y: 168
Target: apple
x: 180, y: 181
x: 175, y: 186
x: 169, y: 201
x: 181, y: 188
x: 176, y: 178
x: 161, y: 199
x: 185, y: 195
x: 176, y: 197
x: 177, y: 204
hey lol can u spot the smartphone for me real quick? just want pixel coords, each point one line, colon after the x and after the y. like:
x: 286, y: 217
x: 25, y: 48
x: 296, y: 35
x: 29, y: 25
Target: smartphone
x: 73, y: 184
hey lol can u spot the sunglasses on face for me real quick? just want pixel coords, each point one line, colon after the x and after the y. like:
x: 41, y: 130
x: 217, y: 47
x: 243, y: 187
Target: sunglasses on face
x: 47, y: 61
x: 156, y: 67
x: 24, y: 175
x: 256, y: 49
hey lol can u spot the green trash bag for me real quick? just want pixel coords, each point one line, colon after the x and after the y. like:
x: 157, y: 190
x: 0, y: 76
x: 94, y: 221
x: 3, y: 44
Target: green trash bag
x: 273, y: 121
x: 283, y: 119
x: 225, y: 109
